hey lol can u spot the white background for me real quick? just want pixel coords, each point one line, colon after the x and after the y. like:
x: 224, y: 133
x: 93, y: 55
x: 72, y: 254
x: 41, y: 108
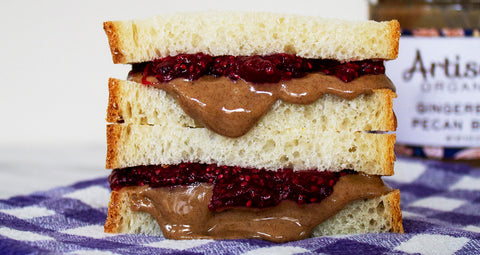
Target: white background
x: 55, y: 61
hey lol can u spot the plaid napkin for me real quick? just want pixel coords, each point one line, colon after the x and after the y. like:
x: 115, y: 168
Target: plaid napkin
x: 440, y: 204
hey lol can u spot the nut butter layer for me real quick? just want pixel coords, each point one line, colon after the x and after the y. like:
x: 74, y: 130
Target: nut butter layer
x: 233, y: 108
x: 182, y: 211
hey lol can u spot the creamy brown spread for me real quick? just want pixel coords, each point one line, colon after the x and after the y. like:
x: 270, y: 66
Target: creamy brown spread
x: 231, y: 108
x: 182, y: 211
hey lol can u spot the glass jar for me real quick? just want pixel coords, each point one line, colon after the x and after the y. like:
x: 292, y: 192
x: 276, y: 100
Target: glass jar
x: 437, y: 76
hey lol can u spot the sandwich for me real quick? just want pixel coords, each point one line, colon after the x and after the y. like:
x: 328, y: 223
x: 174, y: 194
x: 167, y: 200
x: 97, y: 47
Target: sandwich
x: 251, y: 125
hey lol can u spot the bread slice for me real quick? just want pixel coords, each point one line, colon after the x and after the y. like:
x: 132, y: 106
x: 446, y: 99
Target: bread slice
x: 238, y: 33
x: 381, y: 214
x: 134, y: 103
x: 132, y: 145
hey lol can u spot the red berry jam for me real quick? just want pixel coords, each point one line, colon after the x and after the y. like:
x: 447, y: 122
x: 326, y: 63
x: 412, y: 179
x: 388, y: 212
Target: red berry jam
x: 257, y: 69
x: 235, y: 186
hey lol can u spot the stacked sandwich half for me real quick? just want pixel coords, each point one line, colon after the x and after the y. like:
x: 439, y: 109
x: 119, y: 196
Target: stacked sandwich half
x: 251, y: 125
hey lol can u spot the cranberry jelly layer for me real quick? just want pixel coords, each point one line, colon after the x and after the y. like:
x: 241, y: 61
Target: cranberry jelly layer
x: 257, y: 69
x: 235, y: 186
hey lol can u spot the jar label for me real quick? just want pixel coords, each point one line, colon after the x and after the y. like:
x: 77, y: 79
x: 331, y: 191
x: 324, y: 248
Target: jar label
x: 438, y: 86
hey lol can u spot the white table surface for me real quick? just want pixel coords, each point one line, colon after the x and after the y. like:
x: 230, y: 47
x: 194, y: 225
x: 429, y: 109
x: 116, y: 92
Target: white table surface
x: 24, y: 170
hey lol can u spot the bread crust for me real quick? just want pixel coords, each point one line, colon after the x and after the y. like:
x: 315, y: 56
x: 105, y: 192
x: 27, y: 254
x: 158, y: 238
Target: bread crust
x: 114, y: 143
x: 393, y: 202
x: 114, y: 216
x: 394, y: 34
x: 114, y: 113
x: 136, y: 41
x: 112, y: 31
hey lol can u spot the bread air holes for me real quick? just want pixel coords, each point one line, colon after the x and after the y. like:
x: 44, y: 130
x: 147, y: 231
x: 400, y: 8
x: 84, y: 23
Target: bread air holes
x: 345, y: 123
x: 195, y: 40
x: 128, y: 110
x: 195, y: 124
x: 144, y: 120
x: 289, y: 48
x: 323, y: 119
x: 296, y: 154
x: 269, y: 146
x: 241, y: 153
x: 380, y: 208
x: 308, y: 113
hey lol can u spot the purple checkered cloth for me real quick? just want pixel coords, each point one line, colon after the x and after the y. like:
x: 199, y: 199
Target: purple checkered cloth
x: 440, y: 204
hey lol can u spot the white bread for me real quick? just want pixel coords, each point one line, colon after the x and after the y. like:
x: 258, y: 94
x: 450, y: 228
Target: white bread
x: 238, y: 33
x: 380, y: 214
x: 132, y: 145
x: 134, y: 103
